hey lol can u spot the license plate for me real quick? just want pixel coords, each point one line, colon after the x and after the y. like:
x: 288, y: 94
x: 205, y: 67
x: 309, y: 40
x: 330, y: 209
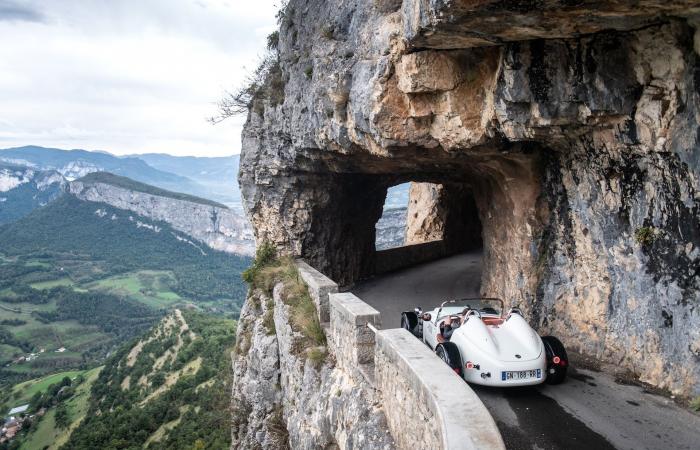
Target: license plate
x: 521, y: 374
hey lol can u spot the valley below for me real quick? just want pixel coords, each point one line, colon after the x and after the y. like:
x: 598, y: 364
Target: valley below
x: 93, y: 267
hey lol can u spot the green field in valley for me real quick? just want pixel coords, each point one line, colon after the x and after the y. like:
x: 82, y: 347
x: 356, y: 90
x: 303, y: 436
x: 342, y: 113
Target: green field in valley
x: 86, y: 283
x: 65, y: 281
x: 150, y: 287
x: 45, y: 434
x: 21, y: 393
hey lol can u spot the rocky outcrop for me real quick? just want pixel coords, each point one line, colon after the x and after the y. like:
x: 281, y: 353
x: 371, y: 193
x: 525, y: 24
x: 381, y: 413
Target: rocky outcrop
x: 568, y: 131
x: 216, y: 226
x: 282, y: 399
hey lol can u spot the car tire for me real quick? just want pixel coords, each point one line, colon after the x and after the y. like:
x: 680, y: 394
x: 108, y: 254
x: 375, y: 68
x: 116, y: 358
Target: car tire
x: 556, y: 373
x: 409, y: 321
x: 448, y: 352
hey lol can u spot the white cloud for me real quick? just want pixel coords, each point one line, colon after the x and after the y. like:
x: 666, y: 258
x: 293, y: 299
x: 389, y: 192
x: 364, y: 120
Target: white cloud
x: 126, y: 76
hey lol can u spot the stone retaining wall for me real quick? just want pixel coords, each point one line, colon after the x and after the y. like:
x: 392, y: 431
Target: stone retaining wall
x: 320, y: 286
x: 426, y: 404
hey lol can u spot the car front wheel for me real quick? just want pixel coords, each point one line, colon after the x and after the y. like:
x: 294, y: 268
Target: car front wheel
x: 448, y: 352
x: 409, y: 321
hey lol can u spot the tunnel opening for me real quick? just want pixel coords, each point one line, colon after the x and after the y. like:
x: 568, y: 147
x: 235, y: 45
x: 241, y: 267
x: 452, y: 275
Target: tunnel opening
x: 471, y: 227
x: 489, y: 200
x: 424, y: 221
x: 390, y: 229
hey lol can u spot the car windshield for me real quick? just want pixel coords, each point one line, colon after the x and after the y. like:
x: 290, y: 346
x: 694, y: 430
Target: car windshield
x: 485, y: 306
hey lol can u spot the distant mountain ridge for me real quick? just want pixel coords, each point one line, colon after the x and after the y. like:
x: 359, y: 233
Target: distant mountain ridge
x: 128, y: 183
x: 218, y: 174
x: 208, y: 222
x: 212, y: 178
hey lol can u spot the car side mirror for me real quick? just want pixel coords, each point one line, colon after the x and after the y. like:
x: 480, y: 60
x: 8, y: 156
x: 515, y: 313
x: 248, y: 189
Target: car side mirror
x: 426, y: 317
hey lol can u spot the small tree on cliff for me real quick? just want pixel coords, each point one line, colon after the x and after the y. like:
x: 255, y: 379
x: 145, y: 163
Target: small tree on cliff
x: 265, y: 85
x: 265, y: 255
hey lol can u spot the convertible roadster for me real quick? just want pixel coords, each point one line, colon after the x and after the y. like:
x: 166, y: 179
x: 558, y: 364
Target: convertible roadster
x: 485, y: 346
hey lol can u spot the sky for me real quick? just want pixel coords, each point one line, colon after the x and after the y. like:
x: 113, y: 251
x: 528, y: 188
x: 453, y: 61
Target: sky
x: 126, y: 76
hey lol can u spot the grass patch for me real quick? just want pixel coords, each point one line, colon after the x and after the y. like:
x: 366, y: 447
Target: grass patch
x: 23, y: 392
x: 328, y: 32
x: 46, y: 435
x: 150, y: 287
x: 316, y: 355
x: 37, y: 263
x: 45, y: 285
x: 269, y: 317
x: 695, y: 404
x: 304, y: 318
x: 268, y: 270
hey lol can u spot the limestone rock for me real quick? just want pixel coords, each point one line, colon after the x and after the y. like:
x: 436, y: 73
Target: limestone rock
x: 577, y: 155
x: 219, y: 228
x: 427, y: 71
x: 281, y: 399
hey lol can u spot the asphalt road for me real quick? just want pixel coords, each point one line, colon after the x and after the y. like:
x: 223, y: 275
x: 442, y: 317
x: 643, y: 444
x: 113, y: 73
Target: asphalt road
x: 590, y: 410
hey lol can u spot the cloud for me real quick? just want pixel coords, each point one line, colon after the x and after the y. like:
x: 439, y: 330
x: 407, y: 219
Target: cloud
x: 128, y: 76
x: 13, y: 11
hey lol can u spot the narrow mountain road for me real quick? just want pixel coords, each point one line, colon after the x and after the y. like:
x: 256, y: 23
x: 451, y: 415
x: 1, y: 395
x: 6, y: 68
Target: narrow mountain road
x: 588, y: 411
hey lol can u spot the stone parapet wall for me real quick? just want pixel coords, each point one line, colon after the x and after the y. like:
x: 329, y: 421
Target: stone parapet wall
x: 351, y: 340
x: 320, y: 287
x: 409, y: 255
x: 426, y: 404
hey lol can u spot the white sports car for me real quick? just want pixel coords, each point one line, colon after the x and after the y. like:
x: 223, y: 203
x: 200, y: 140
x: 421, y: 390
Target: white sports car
x: 485, y: 346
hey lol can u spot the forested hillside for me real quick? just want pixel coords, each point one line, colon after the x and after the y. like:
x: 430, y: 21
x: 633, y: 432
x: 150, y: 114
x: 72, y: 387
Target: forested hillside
x: 168, y: 390
x: 77, y: 278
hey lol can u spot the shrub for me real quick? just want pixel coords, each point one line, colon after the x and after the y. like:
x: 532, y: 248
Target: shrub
x: 645, y: 235
x: 264, y: 256
x: 273, y: 41
x: 266, y: 83
x: 309, y: 72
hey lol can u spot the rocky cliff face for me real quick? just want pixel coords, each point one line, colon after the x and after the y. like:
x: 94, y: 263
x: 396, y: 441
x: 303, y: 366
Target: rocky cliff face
x: 567, y: 131
x: 23, y: 189
x: 218, y: 227
x: 281, y: 399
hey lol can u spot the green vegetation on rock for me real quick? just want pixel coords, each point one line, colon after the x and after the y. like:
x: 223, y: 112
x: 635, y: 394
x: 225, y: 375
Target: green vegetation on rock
x: 695, y: 404
x: 646, y: 235
x: 267, y: 271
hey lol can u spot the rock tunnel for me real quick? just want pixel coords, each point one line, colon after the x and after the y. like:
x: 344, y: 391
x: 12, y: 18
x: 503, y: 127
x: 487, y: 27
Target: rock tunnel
x: 573, y: 148
x: 461, y: 203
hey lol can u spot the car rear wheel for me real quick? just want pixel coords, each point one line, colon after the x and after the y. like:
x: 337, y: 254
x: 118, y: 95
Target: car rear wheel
x: 557, y: 360
x: 448, y: 352
x: 409, y: 321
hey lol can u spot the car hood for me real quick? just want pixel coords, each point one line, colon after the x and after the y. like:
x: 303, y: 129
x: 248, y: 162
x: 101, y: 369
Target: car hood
x: 505, y: 341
